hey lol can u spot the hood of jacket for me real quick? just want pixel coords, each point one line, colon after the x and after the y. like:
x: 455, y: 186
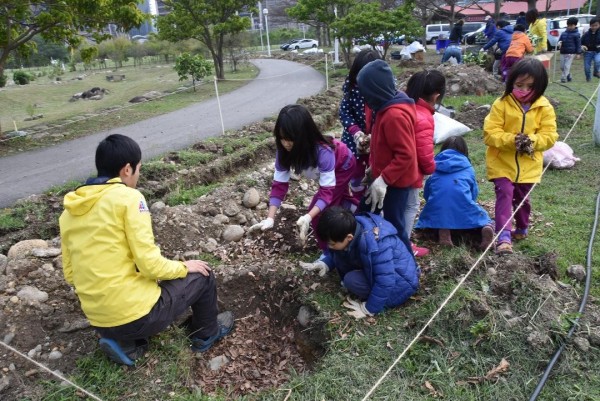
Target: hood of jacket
x: 509, y: 29
x: 81, y: 201
x: 376, y: 84
x: 451, y: 161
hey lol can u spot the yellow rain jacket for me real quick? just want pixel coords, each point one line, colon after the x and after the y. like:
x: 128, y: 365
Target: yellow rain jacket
x: 109, y: 254
x: 539, y: 28
x: 506, y: 119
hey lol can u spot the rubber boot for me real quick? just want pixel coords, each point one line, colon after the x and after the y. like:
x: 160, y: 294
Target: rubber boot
x: 445, y: 238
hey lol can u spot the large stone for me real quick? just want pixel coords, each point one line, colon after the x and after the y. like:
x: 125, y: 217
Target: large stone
x: 45, y: 252
x: 210, y: 245
x: 32, y: 294
x: 221, y: 219
x: 23, y: 249
x: 218, y: 362
x: 577, y: 272
x: 3, y: 263
x: 251, y: 198
x: 233, y: 233
x: 582, y: 344
x: 157, y: 207
x: 305, y: 315
x: 231, y: 209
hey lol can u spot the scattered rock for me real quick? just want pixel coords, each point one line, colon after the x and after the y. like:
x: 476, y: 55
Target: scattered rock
x: 3, y: 263
x: 576, y: 272
x: 538, y: 340
x: 23, y: 249
x: 594, y: 336
x: 305, y: 315
x: 251, y: 198
x: 218, y: 362
x: 231, y: 209
x: 54, y: 355
x: 210, y: 245
x: 45, y: 252
x: 582, y: 344
x: 233, y: 233
x: 221, y: 219
x: 157, y: 207
x: 32, y: 294
x: 79, y: 324
x: 8, y: 338
x: 4, y: 383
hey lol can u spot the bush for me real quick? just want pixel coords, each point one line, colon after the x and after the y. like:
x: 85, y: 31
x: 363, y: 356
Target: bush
x: 22, y: 77
x: 3, y: 79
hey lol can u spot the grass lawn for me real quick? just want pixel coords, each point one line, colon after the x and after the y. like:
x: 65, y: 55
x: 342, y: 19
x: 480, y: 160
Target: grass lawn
x: 464, y: 344
x: 72, y: 119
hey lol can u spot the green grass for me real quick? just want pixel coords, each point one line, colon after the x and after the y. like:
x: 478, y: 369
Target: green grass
x: 185, y: 196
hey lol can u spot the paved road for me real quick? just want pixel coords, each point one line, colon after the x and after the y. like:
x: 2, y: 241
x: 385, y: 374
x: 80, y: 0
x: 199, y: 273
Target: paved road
x: 279, y: 82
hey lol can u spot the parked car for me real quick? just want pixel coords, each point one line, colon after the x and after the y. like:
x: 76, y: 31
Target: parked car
x: 433, y: 31
x: 287, y: 44
x: 556, y: 26
x: 301, y: 44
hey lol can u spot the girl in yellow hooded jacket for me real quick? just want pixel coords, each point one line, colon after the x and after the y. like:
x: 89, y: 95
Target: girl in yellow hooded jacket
x: 520, y: 126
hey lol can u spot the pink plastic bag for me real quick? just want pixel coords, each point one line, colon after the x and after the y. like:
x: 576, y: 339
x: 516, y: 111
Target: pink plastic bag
x: 560, y: 156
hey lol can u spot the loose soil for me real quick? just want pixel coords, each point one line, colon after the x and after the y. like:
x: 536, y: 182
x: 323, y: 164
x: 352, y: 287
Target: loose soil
x: 258, y: 278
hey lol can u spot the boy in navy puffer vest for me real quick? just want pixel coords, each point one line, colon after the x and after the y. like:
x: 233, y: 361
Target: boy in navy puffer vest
x: 569, y: 44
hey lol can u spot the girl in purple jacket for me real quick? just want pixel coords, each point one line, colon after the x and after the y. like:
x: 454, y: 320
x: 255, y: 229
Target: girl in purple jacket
x: 302, y: 148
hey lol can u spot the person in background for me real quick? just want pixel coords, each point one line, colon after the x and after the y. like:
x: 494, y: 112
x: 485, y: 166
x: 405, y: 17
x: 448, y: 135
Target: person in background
x: 502, y: 39
x: 521, y: 19
x: 427, y: 89
x: 372, y: 261
x: 127, y: 290
x: 391, y: 118
x: 519, y: 45
x: 537, y: 26
x: 454, y: 49
x: 490, y: 27
x: 569, y: 44
x: 451, y: 196
x: 302, y: 148
x: 590, y: 44
x: 521, y: 125
x: 352, y: 117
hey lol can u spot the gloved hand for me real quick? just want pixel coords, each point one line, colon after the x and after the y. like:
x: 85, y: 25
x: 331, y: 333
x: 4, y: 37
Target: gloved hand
x: 584, y: 48
x: 318, y: 266
x: 363, y: 142
x: 558, y: 45
x: 376, y: 194
x: 481, y: 50
x: 263, y: 225
x: 524, y: 144
x: 358, y: 310
x: 303, y: 224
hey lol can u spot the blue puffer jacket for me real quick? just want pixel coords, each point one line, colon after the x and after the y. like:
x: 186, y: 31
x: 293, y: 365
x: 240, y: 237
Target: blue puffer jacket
x: 451, y: 195
x: 502, y: 37
x: 571, y: 42
x: 389, y: 267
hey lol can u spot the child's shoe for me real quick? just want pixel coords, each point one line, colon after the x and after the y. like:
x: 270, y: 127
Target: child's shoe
x: 569, y: 79
x: 563, y: 80
x: 419, y: 251
x: 225, y: 322
x: 445, y: 237
x: 519, y: 234
x: 123, y: 354
x: 504, y: 244
x: 487, y: 236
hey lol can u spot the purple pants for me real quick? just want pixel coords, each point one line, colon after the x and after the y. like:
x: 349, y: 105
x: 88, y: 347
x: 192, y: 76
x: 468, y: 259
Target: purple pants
x: 341, y: 197
x: 508, y: 197
x: 506, y: 63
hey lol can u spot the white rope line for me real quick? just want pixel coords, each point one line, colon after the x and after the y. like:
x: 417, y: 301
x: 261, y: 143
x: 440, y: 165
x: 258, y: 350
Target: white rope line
x: 460, y: 283
x: 61, y: 377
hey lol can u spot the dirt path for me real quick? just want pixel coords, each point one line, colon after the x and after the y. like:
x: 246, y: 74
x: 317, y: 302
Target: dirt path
x: 279, y: 82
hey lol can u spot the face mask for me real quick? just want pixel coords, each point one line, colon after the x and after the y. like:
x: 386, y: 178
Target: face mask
x: 521, y: 95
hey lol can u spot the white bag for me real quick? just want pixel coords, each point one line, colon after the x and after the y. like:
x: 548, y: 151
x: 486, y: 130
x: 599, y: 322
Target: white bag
x: 445, y: 127
x: 560, y: 156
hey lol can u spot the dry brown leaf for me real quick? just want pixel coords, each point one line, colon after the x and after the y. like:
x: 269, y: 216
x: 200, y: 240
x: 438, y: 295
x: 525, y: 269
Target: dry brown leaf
x: 431, y: 340
x: 492, y: 374
x: 432, y: 391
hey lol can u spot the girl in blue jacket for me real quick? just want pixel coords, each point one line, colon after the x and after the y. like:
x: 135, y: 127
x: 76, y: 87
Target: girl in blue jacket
x: 372, y: 261
x: 451, y: 196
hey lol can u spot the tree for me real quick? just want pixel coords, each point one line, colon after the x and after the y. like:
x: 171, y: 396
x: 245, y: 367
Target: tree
x: 60, y: 21
x: 194, y: 66
x: 319, y: 13
x: 208, y: 21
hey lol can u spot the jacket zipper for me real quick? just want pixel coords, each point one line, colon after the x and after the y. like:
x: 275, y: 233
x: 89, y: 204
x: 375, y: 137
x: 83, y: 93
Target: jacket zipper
x: 517, y: 153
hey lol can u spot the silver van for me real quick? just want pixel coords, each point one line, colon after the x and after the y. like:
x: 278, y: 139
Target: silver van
x: 433, y: 31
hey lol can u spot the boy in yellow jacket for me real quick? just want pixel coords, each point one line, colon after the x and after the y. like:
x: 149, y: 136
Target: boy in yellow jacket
x: 127, y: 290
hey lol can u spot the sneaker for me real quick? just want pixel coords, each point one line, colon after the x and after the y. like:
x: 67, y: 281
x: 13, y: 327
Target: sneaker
x: 123, y: 355
x: 504, y: 248
x: 225, y: 322
x: 569, y: 79
x: 597, y: 74
x: 419, y: 251
x: 519, y: 234
x: 563, y: 80
x: 487, y: 236
x: 588, y: 79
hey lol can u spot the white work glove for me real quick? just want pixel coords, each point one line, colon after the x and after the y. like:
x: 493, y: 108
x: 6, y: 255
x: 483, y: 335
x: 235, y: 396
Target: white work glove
x: 303, y: 224
x: 558, y: 45
x: 318, y: 266
x: 376, y: 194
x: 362, y: 141
x: 263, y: 225
x: 584, y: 48
x: 358, y: 310
x: 481, y: 50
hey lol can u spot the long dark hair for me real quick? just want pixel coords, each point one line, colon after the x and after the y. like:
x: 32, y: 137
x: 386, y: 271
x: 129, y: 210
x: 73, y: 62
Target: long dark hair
x: 532, y: 16
x: 363, y: 58
x: 425, y: 84
x: 535, y: 69
x: 457, y: 143
x: 295, y: 124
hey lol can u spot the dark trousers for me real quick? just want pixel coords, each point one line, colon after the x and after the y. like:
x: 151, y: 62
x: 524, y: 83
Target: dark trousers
x: 394, y: 208
x: 195, y: 290
x: 356, y: 282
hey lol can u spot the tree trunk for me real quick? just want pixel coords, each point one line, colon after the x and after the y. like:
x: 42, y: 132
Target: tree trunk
x: 531, y: 4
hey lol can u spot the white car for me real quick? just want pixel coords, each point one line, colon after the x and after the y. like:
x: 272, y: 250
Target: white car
x: 303, y: 44
x: 558, y: 25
